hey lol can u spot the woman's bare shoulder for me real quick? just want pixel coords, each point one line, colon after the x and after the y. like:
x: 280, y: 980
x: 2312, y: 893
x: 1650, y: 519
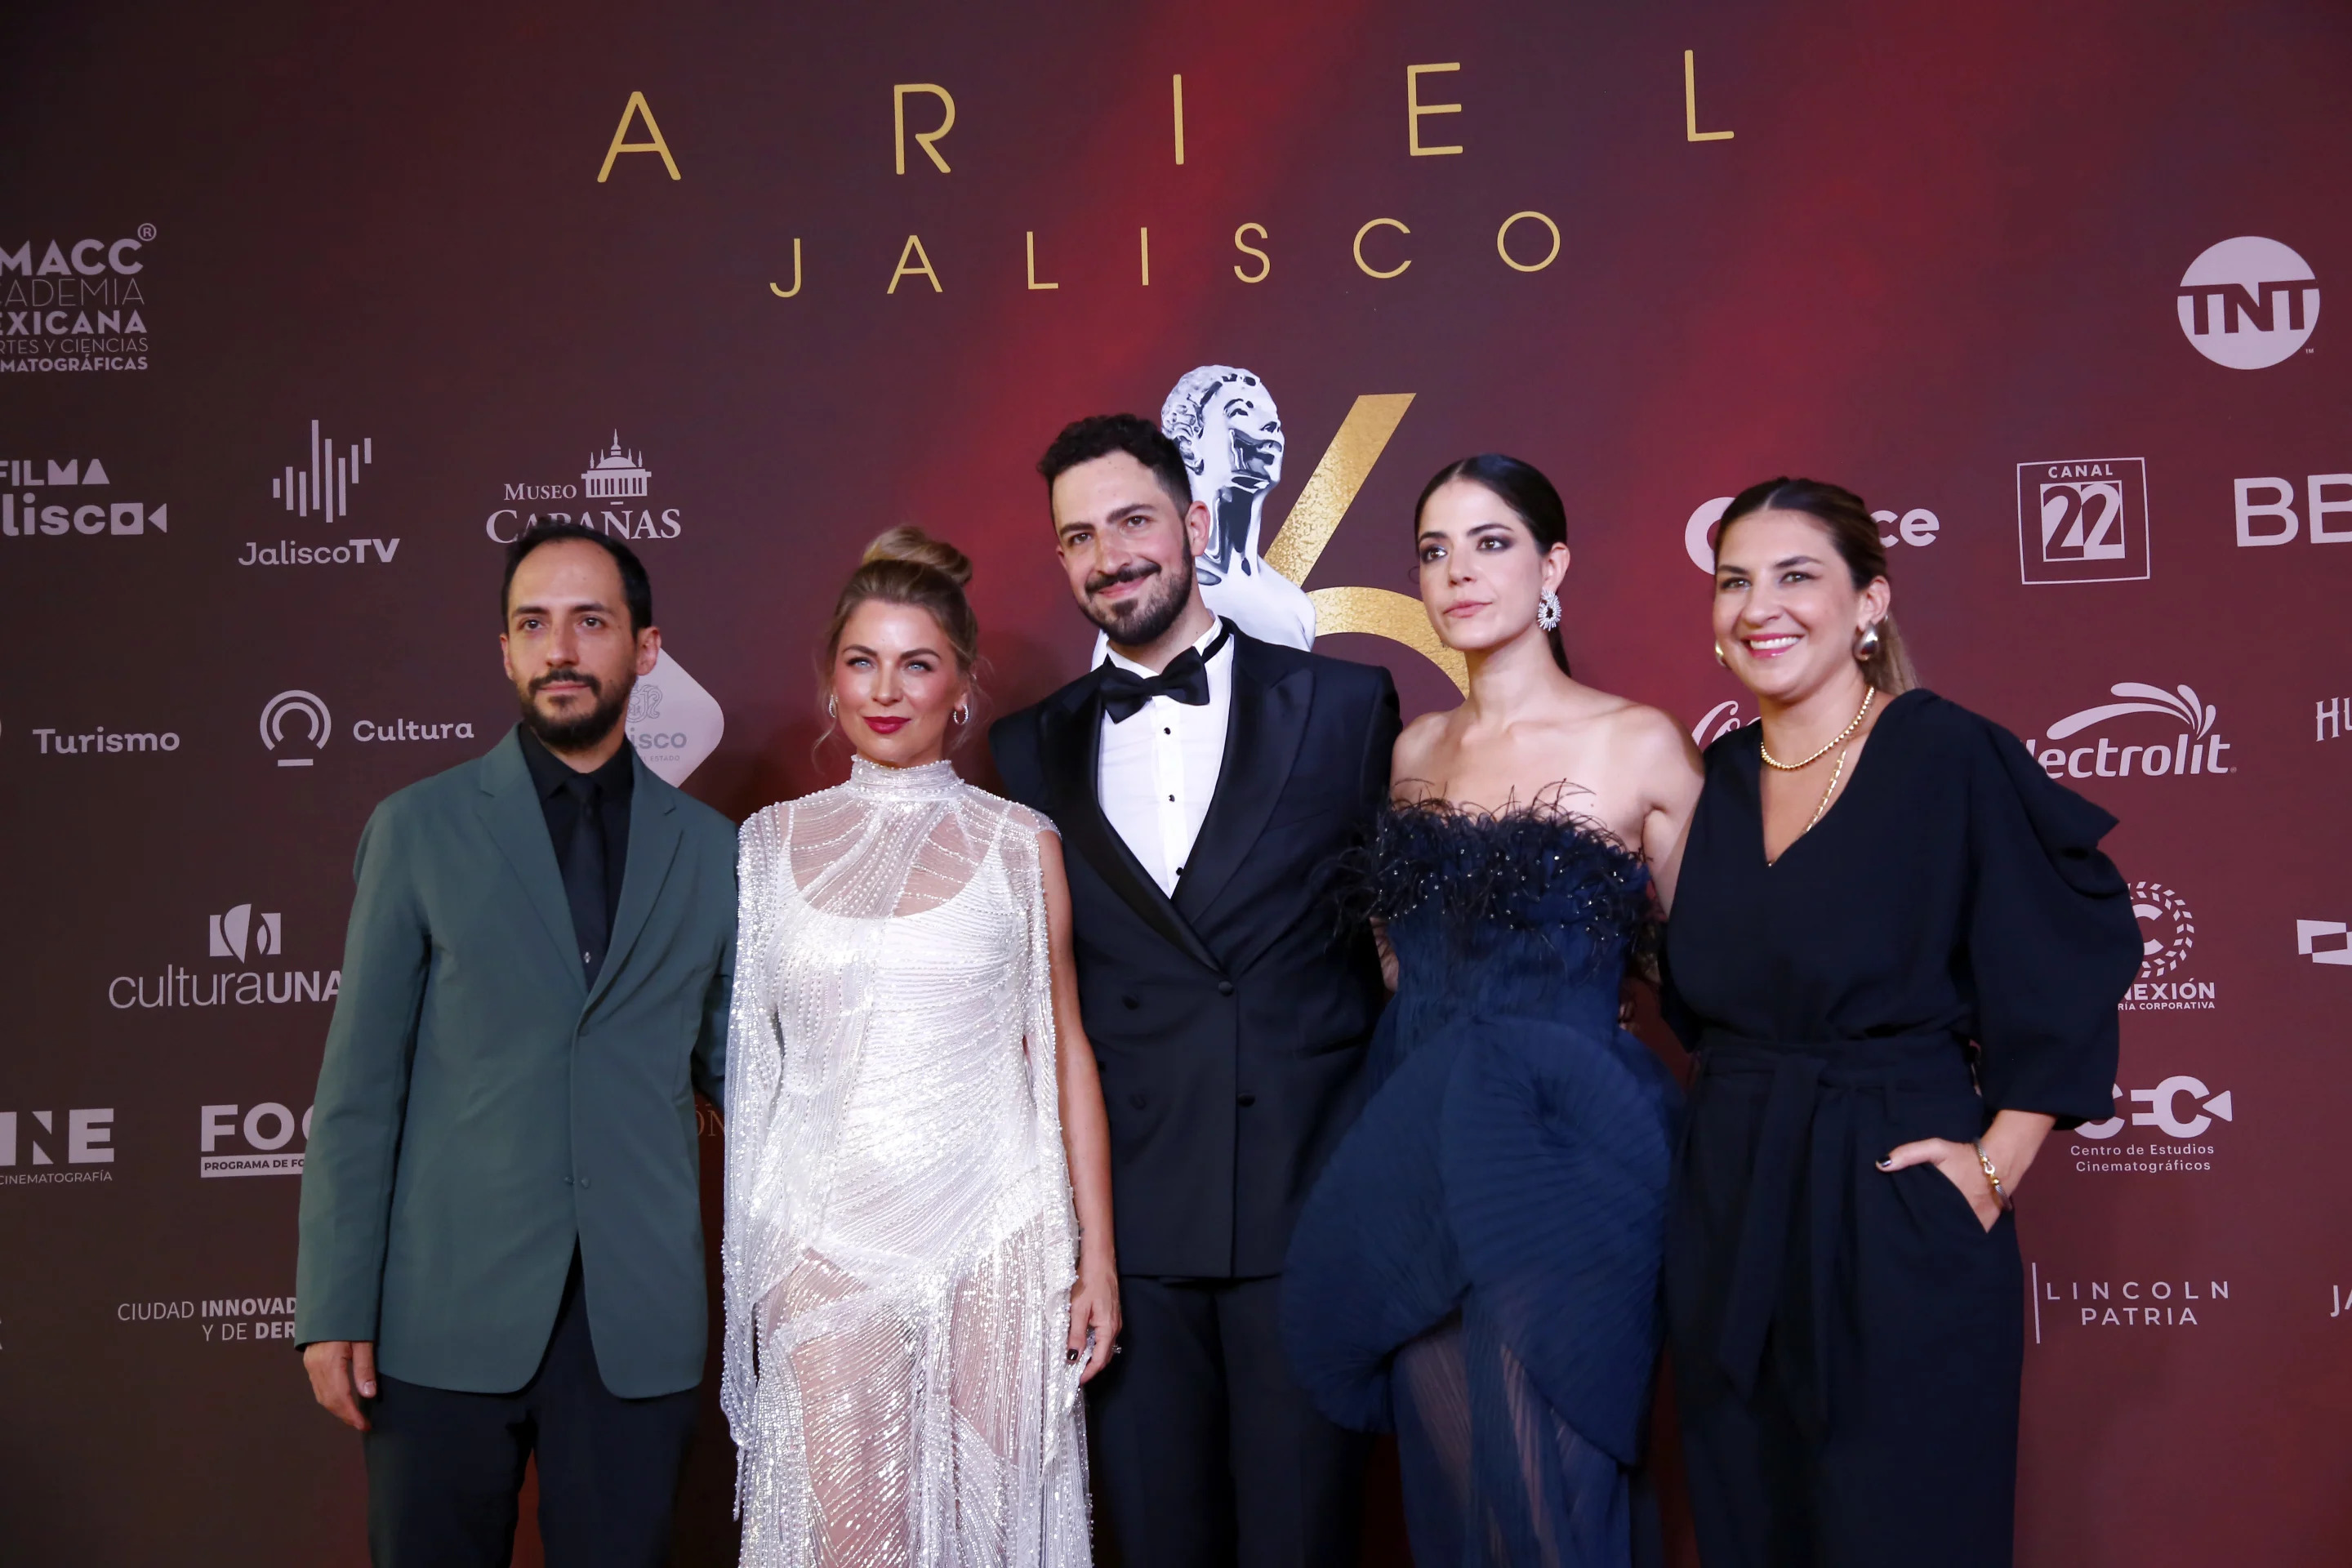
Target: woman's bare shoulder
x: 1421, y: 743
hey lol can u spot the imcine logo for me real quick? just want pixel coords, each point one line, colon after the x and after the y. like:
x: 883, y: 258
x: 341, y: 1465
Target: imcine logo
x: 88, y: 1138
x: 316, y: 721
x: 2248, y: 304
x: 2196, y: 750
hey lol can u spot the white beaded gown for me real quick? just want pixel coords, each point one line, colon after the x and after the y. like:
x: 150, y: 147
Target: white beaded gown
x: 899, y: 1242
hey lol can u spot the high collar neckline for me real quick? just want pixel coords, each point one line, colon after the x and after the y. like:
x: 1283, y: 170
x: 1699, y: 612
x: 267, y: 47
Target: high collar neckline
x: 875, y: 780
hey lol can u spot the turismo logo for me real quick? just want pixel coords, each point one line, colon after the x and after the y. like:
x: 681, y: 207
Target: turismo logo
x: 2083, y: 521
x: 305, y: 716
x: 74, y: 304
x: 2247, y: 302
x: 1917, y: 527
x: 2325, y: 942
x: 249, y: 1141
x: 30, y: 505
x: 2167, y: 933
x: 2181, y: 1107
x: 2196, y: 749
x: 2123, y: 1303
x: 102, y: 742
x: 673, y: 723
x: 42, y: 1148
x: 2267, y: 513
x: 612, y: 494
x: 237, y: 934
x: 319, y: 486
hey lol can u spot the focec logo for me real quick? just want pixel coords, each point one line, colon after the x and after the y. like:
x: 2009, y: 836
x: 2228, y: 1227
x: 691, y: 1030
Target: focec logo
x: 74, y: 305
x: 2247, y: 302
x: 320, y: 488
x: 673, y: 723
x: 2324, y: 941
x: 1917, y: 527
x: 239, y: 935
x: 306, y: 716
x: 612, y: 495
x: 2197, y: 749
x: 29, y: 505
x: 251, y: 1141
x: 2123, y: 1303
x: 35, y: 1144
x: 2168, y: 934
x: 2083, y: 521
x: 2181, y: 1107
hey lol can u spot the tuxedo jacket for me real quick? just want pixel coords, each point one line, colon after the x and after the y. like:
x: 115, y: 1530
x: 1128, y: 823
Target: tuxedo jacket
x: 483, y: 1110
x: 1229, y: 1022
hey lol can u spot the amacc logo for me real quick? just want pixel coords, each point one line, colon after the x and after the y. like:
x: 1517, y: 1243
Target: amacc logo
x: 2196, y: 750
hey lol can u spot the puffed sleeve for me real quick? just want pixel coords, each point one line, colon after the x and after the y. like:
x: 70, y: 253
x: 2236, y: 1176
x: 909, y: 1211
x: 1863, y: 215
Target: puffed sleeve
x: 2053, y: 943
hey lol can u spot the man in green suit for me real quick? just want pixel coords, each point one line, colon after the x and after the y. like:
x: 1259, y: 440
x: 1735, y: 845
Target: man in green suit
x: 501, y: 1246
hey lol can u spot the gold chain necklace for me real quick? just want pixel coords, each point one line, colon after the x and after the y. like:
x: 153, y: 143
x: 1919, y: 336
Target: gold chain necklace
x: 1868, y: 697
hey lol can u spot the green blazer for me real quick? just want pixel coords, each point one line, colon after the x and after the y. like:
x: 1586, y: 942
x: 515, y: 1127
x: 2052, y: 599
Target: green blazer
x: 482, y: 1108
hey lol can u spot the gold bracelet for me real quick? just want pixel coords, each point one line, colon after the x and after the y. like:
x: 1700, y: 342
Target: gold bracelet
x: 1993, y: 1177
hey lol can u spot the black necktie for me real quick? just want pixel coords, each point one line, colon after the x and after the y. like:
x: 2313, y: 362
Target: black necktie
x: 584, y: 871
x: 1185, y: 680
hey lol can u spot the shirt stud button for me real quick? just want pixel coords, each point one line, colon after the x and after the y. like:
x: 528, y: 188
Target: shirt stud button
x: 1246, y: 1100
x: 1225, y: 987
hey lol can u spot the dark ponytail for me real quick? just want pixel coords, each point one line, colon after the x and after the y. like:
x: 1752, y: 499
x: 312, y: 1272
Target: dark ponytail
x: 1854, y: 532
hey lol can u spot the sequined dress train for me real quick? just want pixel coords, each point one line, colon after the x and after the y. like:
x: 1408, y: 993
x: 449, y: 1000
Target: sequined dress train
x: 899, y: 1242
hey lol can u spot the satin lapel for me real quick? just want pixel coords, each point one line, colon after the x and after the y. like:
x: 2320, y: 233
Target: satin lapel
x: 1070, y: 738
x: 509, y: 807
x: 1262, y: 736
x: 654, y: 839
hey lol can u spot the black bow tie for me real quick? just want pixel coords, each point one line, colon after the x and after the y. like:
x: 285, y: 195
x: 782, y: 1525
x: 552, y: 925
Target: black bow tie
x: 1186, y: 680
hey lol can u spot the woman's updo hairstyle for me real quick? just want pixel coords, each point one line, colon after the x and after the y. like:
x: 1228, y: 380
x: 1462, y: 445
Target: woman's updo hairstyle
x: 1854, y: 532
x: 1531, y: 498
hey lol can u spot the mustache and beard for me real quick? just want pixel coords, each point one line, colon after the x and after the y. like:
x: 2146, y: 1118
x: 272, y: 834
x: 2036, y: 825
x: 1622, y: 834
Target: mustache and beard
x: 579, y: 731
x: 1146, y: 617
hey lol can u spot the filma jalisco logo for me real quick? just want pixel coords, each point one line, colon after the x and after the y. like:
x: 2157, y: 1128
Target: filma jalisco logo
x: 74, y: 304
x: 34, y: 504
x: 2084, y: 520
x: 317, y: 488
x: 2167, y: 932
x: 241, y: 936
x: 2247, y: 302
x: 614, y: 494
x: 2193, y: 750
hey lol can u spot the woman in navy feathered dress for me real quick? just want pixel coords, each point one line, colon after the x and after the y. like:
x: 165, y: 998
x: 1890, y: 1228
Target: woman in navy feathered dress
x: 1478, y: 1266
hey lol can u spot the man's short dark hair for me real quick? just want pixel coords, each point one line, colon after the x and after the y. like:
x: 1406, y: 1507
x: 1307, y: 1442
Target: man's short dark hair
x: 1100, y: 435
x: 636, y: 589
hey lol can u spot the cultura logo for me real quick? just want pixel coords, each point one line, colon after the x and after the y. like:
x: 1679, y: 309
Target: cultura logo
x: 29, y: 506
x: 614, y: 480
x: 43, y: 1139
x: 309, y: 716
x: 2168, y: 933
x: 2324, y: 941
x: 231, y: 932
x: 2083, y: 521
x: 2196, y: 750
x: 2247, y: 302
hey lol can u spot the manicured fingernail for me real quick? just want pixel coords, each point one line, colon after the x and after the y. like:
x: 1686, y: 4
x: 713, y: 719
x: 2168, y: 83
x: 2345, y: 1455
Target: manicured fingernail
x: 1887, y: 1163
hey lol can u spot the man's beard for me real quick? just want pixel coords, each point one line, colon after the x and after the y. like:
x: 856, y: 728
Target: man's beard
x: 582, y: 731
x: 1143, y: 620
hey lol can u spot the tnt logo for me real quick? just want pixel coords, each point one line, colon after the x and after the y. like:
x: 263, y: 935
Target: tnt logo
x: 2247, y: 302
x: 2324, y: 941
x: 2085, y: 520
x: 87, y: 1138
x: 233, y: 933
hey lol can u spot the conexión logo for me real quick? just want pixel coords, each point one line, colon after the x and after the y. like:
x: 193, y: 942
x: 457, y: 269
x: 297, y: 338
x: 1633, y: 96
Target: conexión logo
x: 42, y: 1140
x: 2325, y: 942
x: 249, y: 1141
x: 2247, y: 302
x: 2196, y: 750
x: 2168, y: 933
x: 2083, y: 521
x: 25, y: 510
x: 309, y: 713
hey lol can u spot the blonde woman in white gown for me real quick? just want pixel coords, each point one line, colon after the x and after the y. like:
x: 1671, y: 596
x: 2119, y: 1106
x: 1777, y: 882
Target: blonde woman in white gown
x: 918, y: 1239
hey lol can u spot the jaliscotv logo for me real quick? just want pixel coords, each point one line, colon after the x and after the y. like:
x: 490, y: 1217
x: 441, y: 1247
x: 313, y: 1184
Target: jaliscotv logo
x: 251, y: 1141
x: 74, y: 304
x: 2113, y: 1303
x: 317, y: 488
x: 2183, y: 1109
x: 2167, y: 932
x: 2248, y: 304
x: 34, y: 504
x: 2195, y: 748
x: 2083, y: 521
x: 224, y: 1320
x: 55, y: 1148
x: 612, y: 494
x: 239, y: 935
x: 1916, y: 527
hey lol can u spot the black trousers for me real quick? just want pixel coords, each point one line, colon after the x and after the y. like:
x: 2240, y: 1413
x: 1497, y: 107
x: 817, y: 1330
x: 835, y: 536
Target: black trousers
x: 445, y: 1467
x: 1205, y: 1454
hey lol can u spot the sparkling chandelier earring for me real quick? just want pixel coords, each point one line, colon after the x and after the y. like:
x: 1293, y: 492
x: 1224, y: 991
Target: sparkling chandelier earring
x: 1866, y: 647
x: 831, y: 711
x: 1548, y: 611
x: 962, y: 714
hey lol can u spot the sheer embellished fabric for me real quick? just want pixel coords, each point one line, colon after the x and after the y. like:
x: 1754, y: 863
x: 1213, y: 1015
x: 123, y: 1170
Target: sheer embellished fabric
x: 899, y: 1241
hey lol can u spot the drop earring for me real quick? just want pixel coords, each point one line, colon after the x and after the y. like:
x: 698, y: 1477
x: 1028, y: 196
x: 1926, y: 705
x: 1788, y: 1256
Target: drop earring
x: 1548, y: 611
x: 831, y: 711
x: 1719, y: 658
x: 1866, y: 647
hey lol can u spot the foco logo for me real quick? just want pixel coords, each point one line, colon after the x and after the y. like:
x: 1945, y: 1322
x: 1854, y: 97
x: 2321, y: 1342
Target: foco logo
x: 608, y: 490
x: 2181, y: 1107
x: 41, y: 1141
x: 26, y: 512
x: 2247, y: 302
x: 2196, y: 750
x: 2083, y: 521
x: 322, y: 486
x: 77, y: 308
x: 2168, y: 933
x: 237, y: 934
x: 249, y: 1141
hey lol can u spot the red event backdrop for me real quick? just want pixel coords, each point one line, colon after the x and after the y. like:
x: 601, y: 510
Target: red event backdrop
x: 2042, y: 281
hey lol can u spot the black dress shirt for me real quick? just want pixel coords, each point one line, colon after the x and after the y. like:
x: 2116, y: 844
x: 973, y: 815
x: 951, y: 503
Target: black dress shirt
x: 559, y: 787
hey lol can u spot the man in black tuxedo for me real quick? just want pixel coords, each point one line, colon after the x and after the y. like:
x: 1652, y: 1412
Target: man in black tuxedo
x: 1208, y: 783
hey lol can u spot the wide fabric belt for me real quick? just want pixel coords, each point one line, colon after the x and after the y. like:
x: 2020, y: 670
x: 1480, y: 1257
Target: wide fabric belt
x: 1819, y: 1096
